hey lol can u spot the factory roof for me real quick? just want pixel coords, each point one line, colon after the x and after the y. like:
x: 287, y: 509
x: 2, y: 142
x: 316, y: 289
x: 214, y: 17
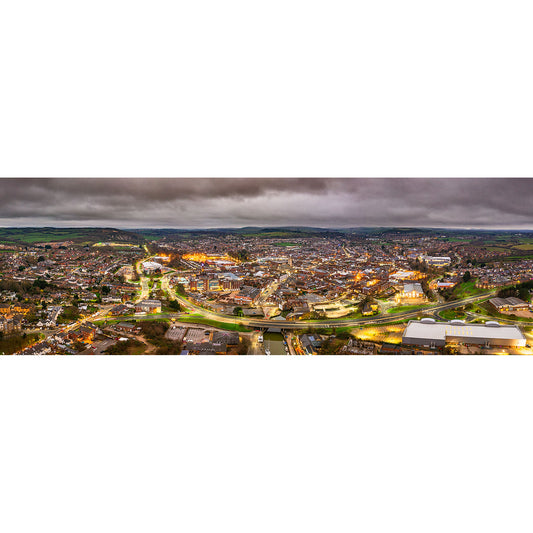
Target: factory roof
x: 410, y: 287
x: 431, y: 330
x: 151, y: 264
x: 502, y: 302
x: 149, y: 302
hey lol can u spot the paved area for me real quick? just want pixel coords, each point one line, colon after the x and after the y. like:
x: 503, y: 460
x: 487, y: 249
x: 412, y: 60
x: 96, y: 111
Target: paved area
x: 175, y: 333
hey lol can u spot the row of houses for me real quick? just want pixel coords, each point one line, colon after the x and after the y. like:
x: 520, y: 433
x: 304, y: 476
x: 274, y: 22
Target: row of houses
x: 10, y: 325
x: 17, y: 308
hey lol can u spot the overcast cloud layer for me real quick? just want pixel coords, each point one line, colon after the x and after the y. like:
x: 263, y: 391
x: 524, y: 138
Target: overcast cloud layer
x: 224, y: 202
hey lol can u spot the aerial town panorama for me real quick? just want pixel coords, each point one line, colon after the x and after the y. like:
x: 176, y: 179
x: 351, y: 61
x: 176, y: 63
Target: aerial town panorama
x: 265, y: 290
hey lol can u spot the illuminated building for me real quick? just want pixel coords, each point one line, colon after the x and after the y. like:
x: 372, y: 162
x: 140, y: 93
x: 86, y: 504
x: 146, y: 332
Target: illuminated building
x: 197, y: 257
x: 427, y: 332
x: 23, y: 309
x: 411, y: 292
x: 151, y: 266
x: 247, y: 295
x: 9, y: 325
x: 162, y: 257
x: 231, y: 284
x: 509, y: 305
x: 213, y: 285
x: 436, y: 261
x: 148, y: 306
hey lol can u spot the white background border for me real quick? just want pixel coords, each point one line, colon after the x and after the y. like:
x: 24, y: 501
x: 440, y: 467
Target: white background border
x: 284, y: 88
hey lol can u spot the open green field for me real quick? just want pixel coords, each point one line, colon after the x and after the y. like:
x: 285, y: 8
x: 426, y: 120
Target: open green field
x: 80, y: 235
x: 517, y: 257
x: 30, y: 236
x: 112, y: 321
x: 497, y: 249
x: 506, y: 245
x: 154, y: 236
x: 269, y: 235
x: 451, y: 314
x: 286, y: 244
x: 129, y: 318
x: 402, y: 308
x: 466, y: 289
x: 129, y: 347
x: 199, y: 319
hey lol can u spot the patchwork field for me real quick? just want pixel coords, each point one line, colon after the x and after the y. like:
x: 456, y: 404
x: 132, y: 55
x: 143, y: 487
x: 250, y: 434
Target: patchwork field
x: 79, y: 235
x: 26, y: 235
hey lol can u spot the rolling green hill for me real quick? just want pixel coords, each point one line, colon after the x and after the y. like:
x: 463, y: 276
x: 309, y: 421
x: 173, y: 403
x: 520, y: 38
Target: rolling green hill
x: 78, y: 235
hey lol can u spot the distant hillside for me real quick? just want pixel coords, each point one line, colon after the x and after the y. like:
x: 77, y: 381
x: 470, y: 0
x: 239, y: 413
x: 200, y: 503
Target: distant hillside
x: 253, y: 231
x: 287, y: 232
x: 141, y: 235
x: 79, y: 235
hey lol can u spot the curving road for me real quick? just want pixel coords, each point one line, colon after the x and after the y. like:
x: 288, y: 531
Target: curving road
x: 287, y: 324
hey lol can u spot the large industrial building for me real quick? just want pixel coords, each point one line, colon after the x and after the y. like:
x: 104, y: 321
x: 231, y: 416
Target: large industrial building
x: 509, y: 305
x: 427, y: 332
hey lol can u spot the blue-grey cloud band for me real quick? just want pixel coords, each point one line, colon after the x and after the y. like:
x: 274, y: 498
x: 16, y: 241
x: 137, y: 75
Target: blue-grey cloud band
x: 235, y: 202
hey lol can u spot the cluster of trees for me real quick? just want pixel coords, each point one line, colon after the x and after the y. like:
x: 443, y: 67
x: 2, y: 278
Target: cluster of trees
x: 129, y: 347
x: 331, y: 345
x: 240, y: 255
x: 243, y: 347
x: 174, y: 305
x: 69, y: 314
x: 180, y: 289
x: 13, y: 343
x: 135, y: 276
x: 432, y: 297
x: 314, y: 315
x: 154, y: 332
x: 422, y: 266
x: 447, y: 293
x: 366, y: 300
x: 520, y: 290
x: 175, y: 261
x: 26, y: 289
x: 473, y: 261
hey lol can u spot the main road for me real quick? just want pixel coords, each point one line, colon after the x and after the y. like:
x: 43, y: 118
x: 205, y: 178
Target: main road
x: 288, y: 324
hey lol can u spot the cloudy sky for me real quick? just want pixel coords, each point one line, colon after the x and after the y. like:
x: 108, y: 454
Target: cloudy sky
x: 224, y: 202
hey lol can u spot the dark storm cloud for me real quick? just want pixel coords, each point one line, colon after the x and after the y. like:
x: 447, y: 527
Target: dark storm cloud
x: 205, y: 202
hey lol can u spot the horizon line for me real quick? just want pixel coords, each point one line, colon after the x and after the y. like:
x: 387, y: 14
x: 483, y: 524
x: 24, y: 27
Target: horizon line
x: 326, y: 228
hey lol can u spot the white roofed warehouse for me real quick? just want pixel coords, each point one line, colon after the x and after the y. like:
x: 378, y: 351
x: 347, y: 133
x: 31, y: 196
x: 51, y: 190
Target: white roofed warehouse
x: 427, y: 332
x: 151, y: 266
